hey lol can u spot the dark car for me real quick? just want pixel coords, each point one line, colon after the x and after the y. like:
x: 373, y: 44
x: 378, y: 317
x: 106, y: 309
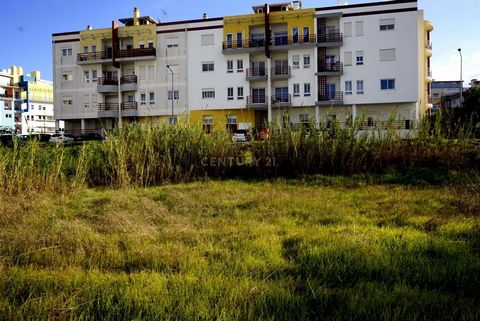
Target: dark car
x: 41, y: 138
x: 90, y: 137
x: 7, y: 140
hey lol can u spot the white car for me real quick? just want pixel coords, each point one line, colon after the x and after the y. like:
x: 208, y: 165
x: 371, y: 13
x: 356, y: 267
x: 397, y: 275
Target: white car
x: 62, y: 138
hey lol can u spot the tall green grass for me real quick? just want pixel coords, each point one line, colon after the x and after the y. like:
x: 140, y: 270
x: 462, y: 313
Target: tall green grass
x: 143, y: 155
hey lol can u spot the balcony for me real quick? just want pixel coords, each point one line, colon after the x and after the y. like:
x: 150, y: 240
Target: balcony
x: 281, y: 72
x: 299, y: 41
x: 331, y: 39
x: 128, y: 83
x: 107, y: 85
x: 260, y: 102
x: 276, y: 43
x: 282, y: 100
x: 329, y: 99
x: 110, y: 85
x: 110, y: 110
x: 330, y: 69
x: 122, y: 55
x: 253, y: 74
x: 247, y: 45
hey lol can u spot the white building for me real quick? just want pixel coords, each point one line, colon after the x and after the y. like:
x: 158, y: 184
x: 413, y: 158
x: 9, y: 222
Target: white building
x: 318, y: 64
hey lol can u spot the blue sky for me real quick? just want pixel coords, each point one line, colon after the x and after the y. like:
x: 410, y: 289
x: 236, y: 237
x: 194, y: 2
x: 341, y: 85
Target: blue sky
x: 25, y: 30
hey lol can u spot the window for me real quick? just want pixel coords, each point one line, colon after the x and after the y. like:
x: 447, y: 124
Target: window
x: 151, y: 96
x: 229, y: 66
x: 207, y: 40
x: 172, y: 45
x: 306, y: 34
x: 347, y: 29
x: 296, y: 90
x: 359, y: 57
x: 229, y: 42
x: 208, y: 66
x: 67, y: 76
x: 306, y: 61
x: 67, y: 101
x: 295, y: 34
x: 232, y: 123
x: 176, y: 95
x: 303, y: 118
x: 142, y: 45
x: 360, y: 87
x: 208, y: 93
x: 207, y: 124
x: 142, y: 72
x: 348, y: 58
x: 86, y: 77
x: 151, y: 72
x: 94, y: 48
x: 387, y: 84
x: 32, y: 107
x: 239, y: 93
x: 94, y: 76
x: 370, y: 122
x: 387, y: 24
x: 85, y: 50
x: 296, y: 62
x: 239, y: 40
x: 306, y: 90
x: 67, y: 52
x: 230, y: 93
x: 359, y: 28
x: 86, y: 105
x: 348, y: 87
x: 150, y: 44
x: 143, y: 99
x: 239, y: 65
x: 387, y: 54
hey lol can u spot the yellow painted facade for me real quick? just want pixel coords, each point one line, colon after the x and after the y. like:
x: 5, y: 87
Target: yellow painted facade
x: 140, y: 33
x: 219, y: 117
x: 295, y: 18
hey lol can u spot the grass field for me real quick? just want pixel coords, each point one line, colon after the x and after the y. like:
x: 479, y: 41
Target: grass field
x: 314, y: 249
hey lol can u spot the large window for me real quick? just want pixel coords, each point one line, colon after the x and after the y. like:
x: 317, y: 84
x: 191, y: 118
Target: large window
x: 306, y: 34
x: 348, y: 87
x: 387, y: 54
x: 232, y: 123
x: 295, y: 34
x: 360, y: 87
x: 208, y: 66
x: 229, y: 66
x: 240, y: 65
x: 387, y: 24
x: 347, y: 29
x: 387, y: 84
x: 306, y: 61
x: 359, y: 28
x: 348, y: 58
x: 208, y: 93
x: 296, y: 90
x: 296, y: 61
x: 239, y: 93
x: 207, y: 124
x: 176, y: 95
x: 230, y: 93
x: 307, y: 90
x: 66, y: 52
x: 151, y: 95
x: 359, y: 57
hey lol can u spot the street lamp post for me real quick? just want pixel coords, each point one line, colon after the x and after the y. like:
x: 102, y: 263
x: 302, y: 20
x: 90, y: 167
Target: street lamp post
x: 173, y: 96
x: 461, y: 76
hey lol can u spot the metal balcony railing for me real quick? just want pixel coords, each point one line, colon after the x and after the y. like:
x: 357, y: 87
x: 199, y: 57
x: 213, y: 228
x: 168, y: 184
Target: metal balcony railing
x: 129, y: 105
x: 279, y: 99
x: 257, y: 100
x: 279, y: 71
x: 275, y: 41
x: 331, y: 67
x: 256, y: 72
x: 108, y: 106
x: 107, y: 81
x: 128, y: 79
x: 126, y: 53
x: 330, y: 37
x: 331, y: 96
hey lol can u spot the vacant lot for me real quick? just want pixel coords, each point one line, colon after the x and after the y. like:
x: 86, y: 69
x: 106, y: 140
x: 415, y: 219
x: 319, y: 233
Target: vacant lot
x: 322, y: 248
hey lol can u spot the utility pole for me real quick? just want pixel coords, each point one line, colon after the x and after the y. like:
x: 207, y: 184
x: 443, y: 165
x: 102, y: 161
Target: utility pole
x: 172, y: 121
x: 461, y: 77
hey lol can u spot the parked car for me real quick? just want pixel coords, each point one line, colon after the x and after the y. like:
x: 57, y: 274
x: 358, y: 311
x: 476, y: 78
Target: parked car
x: 62, y: 138
x: 41, y: 138
x: 7, y: 140
x: 91, y: 137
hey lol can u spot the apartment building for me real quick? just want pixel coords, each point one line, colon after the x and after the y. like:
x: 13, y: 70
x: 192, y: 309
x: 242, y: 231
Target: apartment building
x: 280, y: 63
x: 26, y: 102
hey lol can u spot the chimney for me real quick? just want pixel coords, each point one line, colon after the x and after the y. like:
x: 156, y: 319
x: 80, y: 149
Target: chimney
x: 89, y: 27
x: 205, y: 16
x: 136, y: 15
x: 297, y: 5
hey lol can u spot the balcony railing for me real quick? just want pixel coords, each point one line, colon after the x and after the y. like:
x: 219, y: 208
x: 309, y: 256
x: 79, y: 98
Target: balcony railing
x: 129, y: 105
x: 331, y: 96
x: 107, y: 81
x: 429, y: 73
x: 126, y: 53
x: 256, y: 73
x: 330, y: 37
x: 6, y: 95
x: 275, y: 41
x: 331, y: 67
x: 282, y: 99
x: 129, y: 79
x: 257, y: 100
x: 281, y: 71
x: 428, y: 45
x: 114, y: 106
x: 108, y: 106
